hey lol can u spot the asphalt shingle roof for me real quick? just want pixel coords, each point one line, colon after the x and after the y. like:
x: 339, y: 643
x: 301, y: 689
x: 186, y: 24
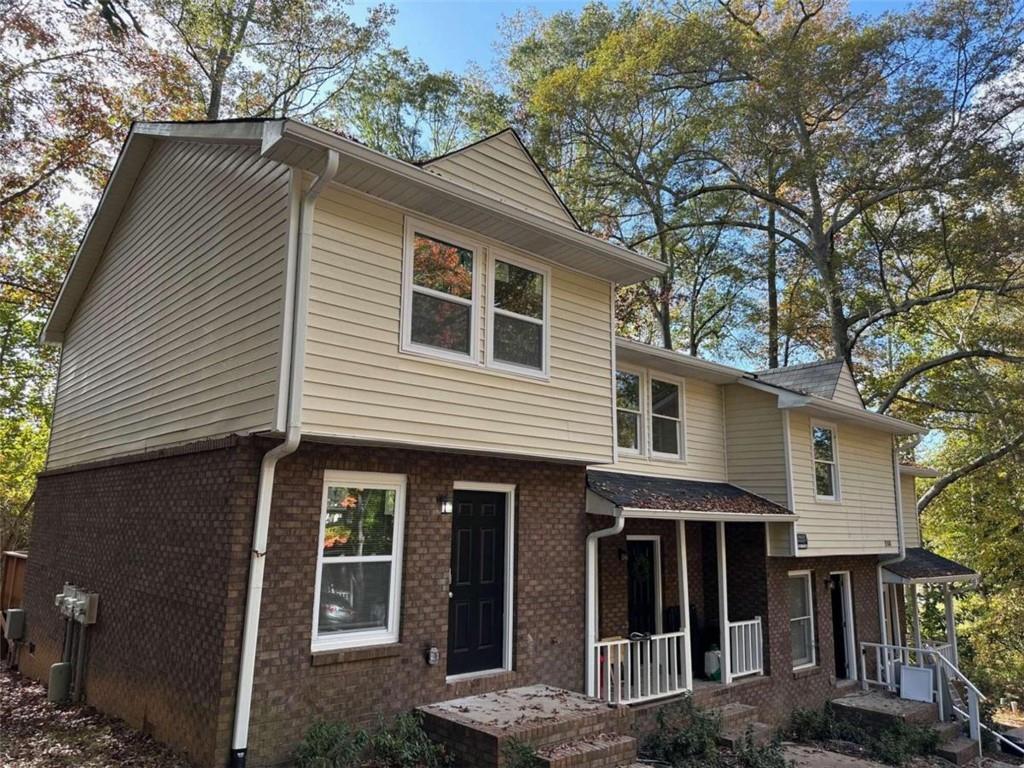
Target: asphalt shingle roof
x: 666, y: 493
x: 811, y: 378
x: 922, y: 564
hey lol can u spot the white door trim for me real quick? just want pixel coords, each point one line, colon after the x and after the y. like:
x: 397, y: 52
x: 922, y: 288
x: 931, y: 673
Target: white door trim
x: 851, y: 642
x: 658, y: 607
x: 510, y: 570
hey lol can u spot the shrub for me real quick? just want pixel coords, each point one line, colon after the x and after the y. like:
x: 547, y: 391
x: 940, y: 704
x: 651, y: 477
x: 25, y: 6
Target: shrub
x: 400, y: 743
x: 749, y: 755
x: 519, y: 754
x: 685, y: 736
x: 898, y: 743
x: 810, y: 725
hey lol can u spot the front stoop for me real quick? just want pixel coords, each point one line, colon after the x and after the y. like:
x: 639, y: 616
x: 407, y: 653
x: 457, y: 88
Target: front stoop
x: 569, y: 730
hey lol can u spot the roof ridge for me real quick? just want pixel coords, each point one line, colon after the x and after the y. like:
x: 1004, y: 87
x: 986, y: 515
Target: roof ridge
x: 798, y: 366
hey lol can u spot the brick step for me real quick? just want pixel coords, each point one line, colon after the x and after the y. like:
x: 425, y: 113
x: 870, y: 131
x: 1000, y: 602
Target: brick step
x: 958, y: 751
x: 605, y: 750
x: 758, y: 734
x: 948, y: 731
x: 879, y: 710
x: 734, y: 715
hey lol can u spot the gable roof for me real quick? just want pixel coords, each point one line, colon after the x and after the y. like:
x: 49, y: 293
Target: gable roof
x: 923, y: 566
x: 500, y: 165
x: 403, y: 184
x: 817, y: 379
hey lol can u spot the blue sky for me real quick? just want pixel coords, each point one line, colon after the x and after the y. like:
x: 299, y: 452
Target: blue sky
x: 449, y: 34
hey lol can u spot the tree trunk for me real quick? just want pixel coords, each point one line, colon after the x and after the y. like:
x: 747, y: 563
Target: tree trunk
x: 823, y: 257
x: 216, y: 91
x: 665, y: 313
x: 773, y: 292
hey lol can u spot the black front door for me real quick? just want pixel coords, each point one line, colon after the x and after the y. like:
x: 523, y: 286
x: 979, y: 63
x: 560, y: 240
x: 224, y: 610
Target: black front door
x: 642, y: 601
x: 476, y: 605
x: 839, y: 630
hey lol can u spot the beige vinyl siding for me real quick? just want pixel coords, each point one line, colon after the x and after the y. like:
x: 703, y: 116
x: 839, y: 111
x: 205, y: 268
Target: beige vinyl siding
x: 863, y: 520
x: 780, y: 539
x: 177, y: 336
x: 756, y: 452
x: 704, y: 437
x: 846, y: 389
x: 359, y: 385
x: 908, y: 503
x: 498, y: 167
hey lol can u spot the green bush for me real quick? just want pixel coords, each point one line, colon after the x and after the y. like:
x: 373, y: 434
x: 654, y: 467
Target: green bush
x: 810, y: 725
x: 519, y: 754
x: 750, y: 755
x: 685, y: 736
x: 894, y: 745
x: 400, y: 743
x: 898, y: 743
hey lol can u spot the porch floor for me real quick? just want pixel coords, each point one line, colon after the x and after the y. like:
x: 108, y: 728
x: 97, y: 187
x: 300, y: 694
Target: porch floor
x: 517, y: 709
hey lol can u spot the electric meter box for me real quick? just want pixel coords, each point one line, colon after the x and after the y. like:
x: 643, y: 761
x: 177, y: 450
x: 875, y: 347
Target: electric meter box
x: 15, y: 624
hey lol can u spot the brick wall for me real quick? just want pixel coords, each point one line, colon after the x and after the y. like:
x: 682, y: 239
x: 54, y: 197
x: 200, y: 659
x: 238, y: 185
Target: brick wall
x: 164, y: 540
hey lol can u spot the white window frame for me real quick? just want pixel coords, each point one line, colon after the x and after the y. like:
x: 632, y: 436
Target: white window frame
x: 412, y: 226
x: 680, y: 421
x: 494, y: 256
x: 361, y: 638
x: 808, y: 577
x: 641, y: 422
x: 836, y: 496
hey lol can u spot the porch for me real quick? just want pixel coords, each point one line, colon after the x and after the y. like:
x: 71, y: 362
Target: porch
x: 677, y: 598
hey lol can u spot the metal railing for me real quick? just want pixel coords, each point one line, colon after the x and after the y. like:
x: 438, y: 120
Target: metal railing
x: 642, y: 668
x: 746, y: 647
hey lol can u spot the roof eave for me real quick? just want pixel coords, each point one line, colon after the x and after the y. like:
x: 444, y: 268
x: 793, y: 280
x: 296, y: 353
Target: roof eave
x: 637, y: 352
x: 916, y: 471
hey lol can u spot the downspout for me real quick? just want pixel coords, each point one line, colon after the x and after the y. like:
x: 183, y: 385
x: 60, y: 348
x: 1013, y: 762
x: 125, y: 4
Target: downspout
x: 900, y: 539
x: 297, y: 275
x: 592, y: 602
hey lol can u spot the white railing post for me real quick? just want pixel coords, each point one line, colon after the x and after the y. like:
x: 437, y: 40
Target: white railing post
x: 723, y: 603
x: 974, y: 712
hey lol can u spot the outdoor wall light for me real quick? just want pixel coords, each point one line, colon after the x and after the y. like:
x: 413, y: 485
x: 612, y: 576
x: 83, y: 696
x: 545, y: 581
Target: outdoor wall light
x: 445, y: 504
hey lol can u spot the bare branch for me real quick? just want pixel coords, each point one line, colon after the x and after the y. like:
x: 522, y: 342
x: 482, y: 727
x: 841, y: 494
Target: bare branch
x: 917, y: 370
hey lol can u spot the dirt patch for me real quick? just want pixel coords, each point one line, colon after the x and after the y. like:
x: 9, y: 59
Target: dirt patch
x: 37, y: 734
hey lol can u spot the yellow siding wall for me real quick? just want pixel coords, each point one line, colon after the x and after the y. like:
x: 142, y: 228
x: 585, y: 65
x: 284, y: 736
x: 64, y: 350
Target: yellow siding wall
x: 360, y: 386
x: 863, y: 521
x: 755, y: 445
x: 846, y: 389
x: 704, y: 440
x: 177, y: 336
x: 911, y: 522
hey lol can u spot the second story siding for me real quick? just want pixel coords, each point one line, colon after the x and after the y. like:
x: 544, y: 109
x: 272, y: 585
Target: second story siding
x: 361, y: 385
x: 908, y: 502
x: 756, y: 448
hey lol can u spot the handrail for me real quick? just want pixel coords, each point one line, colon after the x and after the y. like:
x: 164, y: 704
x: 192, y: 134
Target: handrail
x: 999, y: 737
x: 958, y: 673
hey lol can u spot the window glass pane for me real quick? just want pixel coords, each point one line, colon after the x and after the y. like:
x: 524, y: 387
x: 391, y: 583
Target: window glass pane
x: 439, y: 323
x: 354, y: 596
x: 798, y: 604
x: 627, y: 390
x: 628, y: 430
x: 824, y: 480
x: 822, y: 443
x: 665, y: 435
x: 518, y: 341
x: 518, y: 290
x: 442, y: 266
x: 800, y: 638
x: 664, y: 399
x: 360, y: 521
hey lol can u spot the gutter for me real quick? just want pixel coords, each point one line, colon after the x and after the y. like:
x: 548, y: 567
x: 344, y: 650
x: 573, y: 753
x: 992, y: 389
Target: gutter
x: 592, y: 603
x: 297, y: 278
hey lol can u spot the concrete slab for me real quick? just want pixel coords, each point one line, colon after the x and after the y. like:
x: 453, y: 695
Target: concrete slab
x: 878, y: 707
x: 803, y: 756
x: 515, y: 709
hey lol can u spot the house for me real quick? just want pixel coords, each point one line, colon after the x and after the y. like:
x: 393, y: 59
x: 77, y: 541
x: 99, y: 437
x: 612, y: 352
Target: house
x: 337, y: 436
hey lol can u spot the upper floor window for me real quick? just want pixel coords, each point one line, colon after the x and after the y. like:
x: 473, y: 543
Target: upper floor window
x: 666, y: 418
x: 440, y: 302
x: 627, y: 410
x: 518, y: 316
x: 826, y: 478
x: 359, y: 560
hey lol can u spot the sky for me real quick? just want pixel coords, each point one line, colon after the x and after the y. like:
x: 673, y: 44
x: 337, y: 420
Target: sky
x: 450, y: 34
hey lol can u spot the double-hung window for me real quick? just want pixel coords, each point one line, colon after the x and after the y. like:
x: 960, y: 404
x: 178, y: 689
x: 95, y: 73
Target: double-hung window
x: 627, y: 411
x: 359, y: 560
x: 826, y: 476
x: 517, y: 318
x: 666, y: 419
x: 801, y: 618
x: 440, y: 302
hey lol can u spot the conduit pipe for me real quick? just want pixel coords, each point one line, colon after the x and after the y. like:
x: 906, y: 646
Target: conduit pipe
x: 592, y: 596
x: 297, y: 297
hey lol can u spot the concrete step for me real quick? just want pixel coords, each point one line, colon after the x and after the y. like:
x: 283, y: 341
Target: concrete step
x: 948, y: 731
x: 605, y: 750
x: 757, y: 733
x: 958, y: 751
x: 879, y: 710
x: 734, y: 715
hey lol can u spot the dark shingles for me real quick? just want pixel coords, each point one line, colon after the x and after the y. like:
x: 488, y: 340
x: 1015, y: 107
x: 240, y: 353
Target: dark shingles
x: 922, y: 564
x: 812, y: 378
x: 666, y: 493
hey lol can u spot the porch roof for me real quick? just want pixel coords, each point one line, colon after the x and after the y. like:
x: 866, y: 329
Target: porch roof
x: 923, y: 567
x: 652, y: 496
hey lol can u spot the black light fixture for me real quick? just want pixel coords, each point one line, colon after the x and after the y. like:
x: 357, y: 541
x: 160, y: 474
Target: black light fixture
x: 444, y: 502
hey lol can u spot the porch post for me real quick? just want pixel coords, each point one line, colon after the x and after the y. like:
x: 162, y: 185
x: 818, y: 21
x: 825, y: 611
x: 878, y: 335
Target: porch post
x: 684, y: 600
x: 951, y: 625
x: 916, y: 619
x: 723, y: 603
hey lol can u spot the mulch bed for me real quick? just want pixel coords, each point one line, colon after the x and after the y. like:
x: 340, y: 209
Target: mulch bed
x: 37, y: 734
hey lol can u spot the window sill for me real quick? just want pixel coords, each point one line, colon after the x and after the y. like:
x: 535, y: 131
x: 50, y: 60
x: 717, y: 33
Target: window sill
x: 800, y: 674
x: 348, y: 655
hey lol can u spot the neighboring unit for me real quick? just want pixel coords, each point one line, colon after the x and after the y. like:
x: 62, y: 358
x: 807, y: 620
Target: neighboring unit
x: 338, y: 436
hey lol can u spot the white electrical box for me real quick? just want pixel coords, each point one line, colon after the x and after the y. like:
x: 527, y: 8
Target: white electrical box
x: 77, y: 604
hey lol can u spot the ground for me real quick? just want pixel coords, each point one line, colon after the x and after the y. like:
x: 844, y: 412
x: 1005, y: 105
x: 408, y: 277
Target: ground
x: 37, y: 734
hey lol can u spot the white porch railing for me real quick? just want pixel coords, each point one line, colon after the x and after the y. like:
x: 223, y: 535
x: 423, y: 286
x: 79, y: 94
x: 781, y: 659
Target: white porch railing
x: 941, y: 647
x: 746, y: 647
x: 629, y: 671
